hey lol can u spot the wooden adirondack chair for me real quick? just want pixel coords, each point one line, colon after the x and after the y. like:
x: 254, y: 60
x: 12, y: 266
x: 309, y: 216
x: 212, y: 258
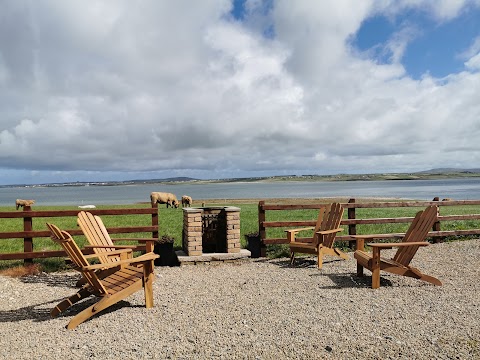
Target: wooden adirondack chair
x: 324, y: 234
x: 111, y: 282
x: 399, y: 264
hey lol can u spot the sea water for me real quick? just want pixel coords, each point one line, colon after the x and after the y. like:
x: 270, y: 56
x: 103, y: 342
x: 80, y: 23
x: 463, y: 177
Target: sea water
x: 458, y: 189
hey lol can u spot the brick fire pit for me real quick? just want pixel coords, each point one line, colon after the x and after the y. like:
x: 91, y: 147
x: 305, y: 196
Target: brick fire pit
x: 211, y: 234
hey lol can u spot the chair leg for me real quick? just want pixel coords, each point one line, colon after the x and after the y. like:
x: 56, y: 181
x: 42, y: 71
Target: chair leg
x: 359, y: 270
x: 148, y: 283
x: 376, y: 268
x: 104, y: 303
x: 65, y: 304
x: 320, y: 258
x: 292, y: 258
x: 376, y: 278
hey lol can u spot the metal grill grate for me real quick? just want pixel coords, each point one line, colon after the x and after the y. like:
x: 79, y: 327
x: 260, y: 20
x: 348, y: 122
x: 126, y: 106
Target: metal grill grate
x: 214, y: 237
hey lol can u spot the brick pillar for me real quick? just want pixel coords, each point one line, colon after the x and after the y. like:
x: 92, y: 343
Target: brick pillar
x: 232, y: 215
x: 192, y: 231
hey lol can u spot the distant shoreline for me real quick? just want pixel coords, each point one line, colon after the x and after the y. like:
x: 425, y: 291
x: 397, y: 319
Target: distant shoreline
x: 428, y: 175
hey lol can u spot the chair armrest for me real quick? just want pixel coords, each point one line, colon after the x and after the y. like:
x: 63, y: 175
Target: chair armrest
x: 360, y: 239
x: 292, y: 232
x: 378, y: 236
x: 402, y: 244
x: 300, y: 229
x: 325, y: 232
x: 140, y: 259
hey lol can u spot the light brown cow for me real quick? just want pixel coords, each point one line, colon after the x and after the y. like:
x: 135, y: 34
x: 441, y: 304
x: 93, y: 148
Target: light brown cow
x: 21, y: 203
x: 164, y: 198
x: 186, y: 201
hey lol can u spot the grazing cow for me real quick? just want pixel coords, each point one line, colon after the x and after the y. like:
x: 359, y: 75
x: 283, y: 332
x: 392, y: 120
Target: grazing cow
x: 21, y: 203
x: 186, y: 201
x: 164, y: 198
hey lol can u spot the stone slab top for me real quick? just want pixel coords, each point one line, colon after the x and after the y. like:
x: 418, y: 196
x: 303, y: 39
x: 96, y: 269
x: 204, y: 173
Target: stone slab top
x: 200, y: 209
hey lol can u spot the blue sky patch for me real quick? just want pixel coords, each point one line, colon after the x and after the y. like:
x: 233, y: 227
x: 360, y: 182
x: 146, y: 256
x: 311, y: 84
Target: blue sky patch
x: 434, y: 48
x: 240, y: 12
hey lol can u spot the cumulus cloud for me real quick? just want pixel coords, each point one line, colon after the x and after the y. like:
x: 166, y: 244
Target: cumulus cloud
x: 107, y: 87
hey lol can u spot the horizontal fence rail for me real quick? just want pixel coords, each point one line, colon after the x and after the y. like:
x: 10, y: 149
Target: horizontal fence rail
x: 352, y: 221
x: 28, y: 234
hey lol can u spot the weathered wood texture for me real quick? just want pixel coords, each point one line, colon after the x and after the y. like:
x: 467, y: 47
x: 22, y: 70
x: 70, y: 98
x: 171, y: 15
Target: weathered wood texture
x: 28, y: 234
x: 352, y: 221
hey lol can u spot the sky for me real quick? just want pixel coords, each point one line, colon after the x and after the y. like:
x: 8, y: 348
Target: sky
x: 111, y: 90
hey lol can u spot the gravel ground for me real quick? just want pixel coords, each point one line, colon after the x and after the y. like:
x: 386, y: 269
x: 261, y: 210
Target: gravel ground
x: 260, y: 309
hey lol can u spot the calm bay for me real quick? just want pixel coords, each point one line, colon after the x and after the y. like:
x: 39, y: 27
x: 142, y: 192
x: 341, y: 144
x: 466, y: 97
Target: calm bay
x: 458, y: 189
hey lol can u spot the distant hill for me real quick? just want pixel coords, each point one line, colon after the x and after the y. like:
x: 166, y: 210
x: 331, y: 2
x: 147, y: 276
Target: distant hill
x: 450, y: 171
x: 440, y: 173
x: 172, y: 179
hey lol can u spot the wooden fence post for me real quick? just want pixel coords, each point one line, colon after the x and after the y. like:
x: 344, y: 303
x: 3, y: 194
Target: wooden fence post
x: 154, y: 223
x: 27, y: 241
x: 436, y: 225
x: 261, y: 229
x: 352, y: 228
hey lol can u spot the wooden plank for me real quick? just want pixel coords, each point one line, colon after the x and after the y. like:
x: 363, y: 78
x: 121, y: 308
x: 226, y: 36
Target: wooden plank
x: 67, y: 213
x: 377, y: 221
x: 36, y: 234
x: 459, y: 217
x: 411, y: 204
x: 132, y: 229
x: 454, y: 233
x: 293, y: 206
x: 32, y: 255
x: 46, y: 233
x: 269, y: 224
x: 271, y: 241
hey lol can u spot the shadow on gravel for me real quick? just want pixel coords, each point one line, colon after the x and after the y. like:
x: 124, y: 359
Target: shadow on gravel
x: 340, y: 280
x: 33, y: 312
x: 41, y: 312
x: 55, y: 280
x: 350, y: 280
x: 300, y: 262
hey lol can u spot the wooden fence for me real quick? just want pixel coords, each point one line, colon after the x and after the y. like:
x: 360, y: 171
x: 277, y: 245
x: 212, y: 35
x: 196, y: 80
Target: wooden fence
x: 28, y: 234
x: 352, y: 221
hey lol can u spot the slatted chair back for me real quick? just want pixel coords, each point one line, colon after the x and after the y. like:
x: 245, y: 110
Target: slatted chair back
x: 417, y: 232
x: 321, y: 214
x: 331, y: 220
x: 97, y: 234
x: 65, y: 240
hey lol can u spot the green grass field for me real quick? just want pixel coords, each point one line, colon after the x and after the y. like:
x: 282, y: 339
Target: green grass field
x: 171, y: 223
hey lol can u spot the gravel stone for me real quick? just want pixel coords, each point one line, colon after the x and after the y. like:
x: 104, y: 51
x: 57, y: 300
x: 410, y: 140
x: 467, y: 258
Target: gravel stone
x: 260, y: 309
